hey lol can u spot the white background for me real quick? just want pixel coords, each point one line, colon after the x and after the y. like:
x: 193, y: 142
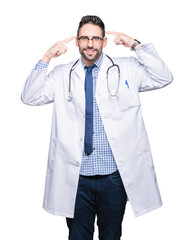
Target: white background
x: 28, y: 29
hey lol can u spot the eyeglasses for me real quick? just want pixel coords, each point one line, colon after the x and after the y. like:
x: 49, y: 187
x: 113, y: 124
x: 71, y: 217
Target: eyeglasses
x: 86, y: 39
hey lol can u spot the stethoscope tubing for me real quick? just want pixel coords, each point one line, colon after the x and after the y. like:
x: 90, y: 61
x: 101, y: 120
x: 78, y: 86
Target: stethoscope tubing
x: 70, y: 95
x: 118, y: 68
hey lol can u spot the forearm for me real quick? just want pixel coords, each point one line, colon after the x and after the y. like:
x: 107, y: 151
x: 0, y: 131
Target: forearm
x: 39, y: 89
x: 152, y: 72
x: 32, y: 90
x: 45, y: 59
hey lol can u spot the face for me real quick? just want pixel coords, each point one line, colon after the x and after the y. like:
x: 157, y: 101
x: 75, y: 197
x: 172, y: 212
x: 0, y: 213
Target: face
x: 90, y: 50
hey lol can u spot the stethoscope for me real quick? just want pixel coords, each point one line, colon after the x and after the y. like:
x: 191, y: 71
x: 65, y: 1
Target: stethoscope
x: 70, y: 95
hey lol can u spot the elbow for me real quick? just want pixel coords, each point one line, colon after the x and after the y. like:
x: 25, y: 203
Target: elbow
x: 23, y: 98
x: 169, y: 79
x: 26, y: 101
x: 35, y: 100
x: 166, y: 76
x: 29, y: 100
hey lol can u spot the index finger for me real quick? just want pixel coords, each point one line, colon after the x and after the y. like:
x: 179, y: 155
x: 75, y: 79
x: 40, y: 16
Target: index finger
x: 69, y: 39
x: 112, y: 33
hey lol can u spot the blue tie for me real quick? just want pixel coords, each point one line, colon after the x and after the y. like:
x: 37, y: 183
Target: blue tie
x: 89, y: 110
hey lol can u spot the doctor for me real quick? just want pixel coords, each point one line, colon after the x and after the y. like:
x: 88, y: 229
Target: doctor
x: 99, y: 155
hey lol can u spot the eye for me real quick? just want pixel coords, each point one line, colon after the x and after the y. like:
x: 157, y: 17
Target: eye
x: 95, y: 38
x: 84, y: 38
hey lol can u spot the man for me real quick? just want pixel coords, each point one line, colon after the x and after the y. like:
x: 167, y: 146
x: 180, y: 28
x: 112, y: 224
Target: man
x: 99, y: 153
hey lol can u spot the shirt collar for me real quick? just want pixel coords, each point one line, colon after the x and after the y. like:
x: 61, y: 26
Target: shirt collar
x: 98, y: 62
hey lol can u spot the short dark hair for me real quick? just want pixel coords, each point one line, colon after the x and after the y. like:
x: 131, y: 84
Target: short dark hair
x: 93, y: 20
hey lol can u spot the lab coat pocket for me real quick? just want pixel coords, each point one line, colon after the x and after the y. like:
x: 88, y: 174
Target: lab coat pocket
x: 52, y: 154
x: 127, y: 99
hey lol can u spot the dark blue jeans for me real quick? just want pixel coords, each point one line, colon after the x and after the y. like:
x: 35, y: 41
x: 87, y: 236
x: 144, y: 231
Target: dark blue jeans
x: 103, y: 196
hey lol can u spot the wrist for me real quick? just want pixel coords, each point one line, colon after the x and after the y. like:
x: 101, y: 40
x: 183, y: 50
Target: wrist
x: 135, y: 45
x: 138, y: 46
x: 45, y: 59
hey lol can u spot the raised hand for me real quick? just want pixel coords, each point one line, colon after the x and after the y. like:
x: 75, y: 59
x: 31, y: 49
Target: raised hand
x: 56, y: 50
x: 122, y: 39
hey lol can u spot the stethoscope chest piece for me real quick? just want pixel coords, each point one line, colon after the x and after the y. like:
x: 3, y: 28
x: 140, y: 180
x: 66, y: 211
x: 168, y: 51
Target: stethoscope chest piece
x: 70, y: 96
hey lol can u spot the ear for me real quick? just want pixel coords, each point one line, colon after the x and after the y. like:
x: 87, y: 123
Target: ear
x: 76, y: 42
x: 104, y: 42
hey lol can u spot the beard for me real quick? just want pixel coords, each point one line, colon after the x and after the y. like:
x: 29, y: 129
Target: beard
x: 90, y: 54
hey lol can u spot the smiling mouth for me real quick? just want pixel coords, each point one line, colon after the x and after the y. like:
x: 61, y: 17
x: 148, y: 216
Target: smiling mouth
x: 89, y: 51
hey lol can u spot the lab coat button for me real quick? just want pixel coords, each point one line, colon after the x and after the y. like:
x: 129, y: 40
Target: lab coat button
x: 77, y: 164
x: 81, y: 139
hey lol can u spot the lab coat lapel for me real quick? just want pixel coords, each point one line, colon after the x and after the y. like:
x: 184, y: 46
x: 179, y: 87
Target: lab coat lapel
x: 102, y: 73
x: 79, y: 71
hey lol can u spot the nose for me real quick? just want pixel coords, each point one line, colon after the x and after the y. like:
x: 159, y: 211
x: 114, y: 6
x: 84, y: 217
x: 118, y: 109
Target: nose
x: 90, y: 43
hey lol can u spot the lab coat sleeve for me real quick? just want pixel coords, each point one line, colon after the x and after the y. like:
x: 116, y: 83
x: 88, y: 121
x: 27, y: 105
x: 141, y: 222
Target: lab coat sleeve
x: 151, y: 72
x: 39, y: 88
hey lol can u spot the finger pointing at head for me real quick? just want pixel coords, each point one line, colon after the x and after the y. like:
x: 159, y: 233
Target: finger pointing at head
x: 112, y: 33
x: 69, y: 39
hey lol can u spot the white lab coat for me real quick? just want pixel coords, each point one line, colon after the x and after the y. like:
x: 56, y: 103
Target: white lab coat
x: 123, y: 123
